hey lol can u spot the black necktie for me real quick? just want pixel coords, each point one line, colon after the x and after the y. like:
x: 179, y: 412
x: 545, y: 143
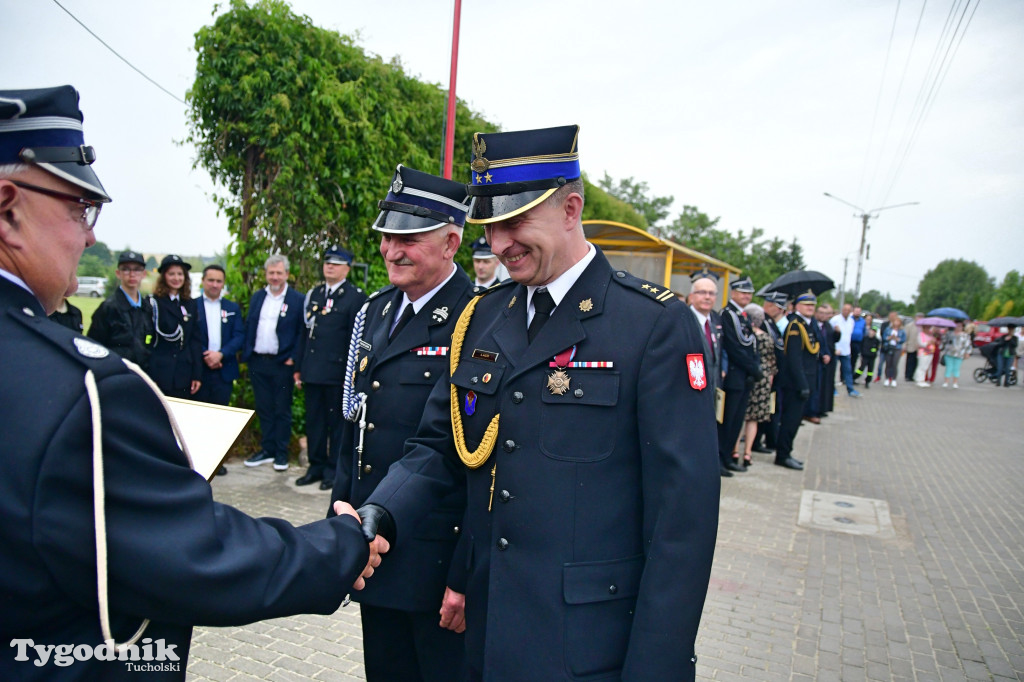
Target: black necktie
x: 543, y: 304
x: 407, y: 314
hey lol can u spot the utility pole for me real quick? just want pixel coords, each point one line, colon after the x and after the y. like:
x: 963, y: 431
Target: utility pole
x: 842, y: 289
x: 864, y: 216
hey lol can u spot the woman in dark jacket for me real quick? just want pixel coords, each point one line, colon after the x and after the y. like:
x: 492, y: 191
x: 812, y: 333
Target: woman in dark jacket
x: 176, y: 363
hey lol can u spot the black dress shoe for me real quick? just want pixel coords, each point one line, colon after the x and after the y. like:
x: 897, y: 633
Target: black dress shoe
x: 725, y: 472
x: 308, y: 479
x: 789, y: 463
x: 763, y: 449
x: 223, y: 471
x: 733, y: 466
x: 326, y: 485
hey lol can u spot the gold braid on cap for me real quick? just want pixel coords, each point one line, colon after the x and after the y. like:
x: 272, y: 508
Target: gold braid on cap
x: 812, y: 348
x: 475, y: 459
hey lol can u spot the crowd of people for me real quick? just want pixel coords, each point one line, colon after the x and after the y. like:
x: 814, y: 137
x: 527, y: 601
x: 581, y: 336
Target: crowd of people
x: 472, y: 424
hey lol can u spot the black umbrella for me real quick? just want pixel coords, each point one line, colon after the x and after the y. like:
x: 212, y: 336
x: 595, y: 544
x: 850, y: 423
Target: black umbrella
x: 798, y: 281
x: 1004, y: 321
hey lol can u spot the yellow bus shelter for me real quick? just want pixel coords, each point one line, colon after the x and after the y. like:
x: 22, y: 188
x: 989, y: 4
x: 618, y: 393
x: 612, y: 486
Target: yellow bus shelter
x: 656, y: 259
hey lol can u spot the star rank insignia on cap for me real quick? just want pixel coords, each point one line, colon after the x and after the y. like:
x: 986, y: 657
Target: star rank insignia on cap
x: 90, y: 349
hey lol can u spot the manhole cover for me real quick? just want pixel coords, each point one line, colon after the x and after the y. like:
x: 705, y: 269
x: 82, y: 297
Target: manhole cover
x: 861, y: 515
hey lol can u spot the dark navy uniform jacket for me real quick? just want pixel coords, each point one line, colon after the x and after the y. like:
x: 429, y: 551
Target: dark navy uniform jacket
x: 329, y: 328
x: 174, y: 365
x: 174, y: 555
x: 738, y: 342
x: 595, y: 556
x: 232, y: 335
x: 126, y: 330
x: 290, y: 326
x: 397, y: 378
x: 799, y: 372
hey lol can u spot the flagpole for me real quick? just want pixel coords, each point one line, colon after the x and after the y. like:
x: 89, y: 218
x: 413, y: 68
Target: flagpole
x: 449, y: 137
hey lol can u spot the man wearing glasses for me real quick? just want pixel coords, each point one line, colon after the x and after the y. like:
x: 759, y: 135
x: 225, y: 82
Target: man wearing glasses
x: 124, y: 322
x: 107, y: 527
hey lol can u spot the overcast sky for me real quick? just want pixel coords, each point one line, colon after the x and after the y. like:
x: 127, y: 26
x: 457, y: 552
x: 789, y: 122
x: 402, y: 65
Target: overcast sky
x: 749, y: 110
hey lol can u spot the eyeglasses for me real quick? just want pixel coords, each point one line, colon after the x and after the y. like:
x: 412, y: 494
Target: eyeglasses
x: 90, y: 208
x: 132, y: 271
x: 697, y: 292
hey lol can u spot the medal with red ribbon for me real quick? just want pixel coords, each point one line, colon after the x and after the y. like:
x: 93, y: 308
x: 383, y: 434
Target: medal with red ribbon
x: 558, y: 380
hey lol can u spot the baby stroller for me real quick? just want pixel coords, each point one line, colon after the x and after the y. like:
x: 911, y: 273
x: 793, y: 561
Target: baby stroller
x: 988, y: 372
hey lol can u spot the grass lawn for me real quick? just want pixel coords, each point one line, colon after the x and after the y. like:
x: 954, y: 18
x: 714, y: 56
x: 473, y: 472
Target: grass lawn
x: 88, y: 306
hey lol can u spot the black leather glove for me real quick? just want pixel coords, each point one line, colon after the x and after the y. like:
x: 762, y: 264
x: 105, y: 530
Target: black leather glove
x: 376, y: 521
x: 805, y: 394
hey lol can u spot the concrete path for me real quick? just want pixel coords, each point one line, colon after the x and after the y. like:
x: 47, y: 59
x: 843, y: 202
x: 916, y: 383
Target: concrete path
x: 898, y: 554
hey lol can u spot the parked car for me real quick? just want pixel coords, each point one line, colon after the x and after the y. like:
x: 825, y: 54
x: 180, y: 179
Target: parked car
x: 985, y: 333
x: 92, y: 286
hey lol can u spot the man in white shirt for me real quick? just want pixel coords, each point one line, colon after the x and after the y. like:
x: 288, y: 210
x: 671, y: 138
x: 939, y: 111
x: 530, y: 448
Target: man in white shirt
x: 702, y: 298
x: 272, y: 348
x: 844, y: 324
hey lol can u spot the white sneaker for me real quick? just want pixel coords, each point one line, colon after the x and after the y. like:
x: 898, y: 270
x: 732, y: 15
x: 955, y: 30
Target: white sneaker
x: 956, y: 385
x: 886, y: 383
x: 894, y: 383
x: 945, y: 384
x: 923, y: 384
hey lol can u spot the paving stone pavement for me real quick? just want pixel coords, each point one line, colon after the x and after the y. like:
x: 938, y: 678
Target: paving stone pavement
x: 940, y: 598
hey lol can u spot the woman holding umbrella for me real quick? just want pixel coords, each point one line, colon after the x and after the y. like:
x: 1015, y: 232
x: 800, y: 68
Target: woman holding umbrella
x: 955, y: 348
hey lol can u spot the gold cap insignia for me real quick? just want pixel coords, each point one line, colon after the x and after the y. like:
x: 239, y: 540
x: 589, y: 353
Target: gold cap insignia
x: 586, y: 305
x: 480, y: 164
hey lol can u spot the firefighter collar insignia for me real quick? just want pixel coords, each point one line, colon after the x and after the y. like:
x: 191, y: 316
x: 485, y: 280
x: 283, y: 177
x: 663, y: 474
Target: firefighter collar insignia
x: 90, y: 349
x: 512, y: 302
x: 695, y: 368
x: 387, y: 307
x: 586, y: 305
x: 440, y: 314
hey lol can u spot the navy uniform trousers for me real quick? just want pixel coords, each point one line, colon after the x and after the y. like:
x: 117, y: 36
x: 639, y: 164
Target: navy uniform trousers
x: 399, y: 607
x: 590, y: 527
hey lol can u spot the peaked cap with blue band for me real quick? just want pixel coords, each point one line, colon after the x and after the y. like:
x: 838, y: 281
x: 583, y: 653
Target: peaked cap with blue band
x: 513, y: 172
x: 43, y: 128
x: 338, y: 255
x: 418, y: 202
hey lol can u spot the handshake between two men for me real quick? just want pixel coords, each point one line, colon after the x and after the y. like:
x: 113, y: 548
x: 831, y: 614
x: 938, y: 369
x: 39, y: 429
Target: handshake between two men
x: 378, y: 544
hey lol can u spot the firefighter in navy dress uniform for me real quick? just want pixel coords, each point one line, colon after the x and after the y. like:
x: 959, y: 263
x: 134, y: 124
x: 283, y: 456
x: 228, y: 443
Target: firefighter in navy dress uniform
x: 331, y: 309
x: 398, y: 354
x: 579, y: 414
x: 176, y: 363
x: 162, y: 549
x: 798, y: 376
x: 743, y: 371
x: 486, y: 267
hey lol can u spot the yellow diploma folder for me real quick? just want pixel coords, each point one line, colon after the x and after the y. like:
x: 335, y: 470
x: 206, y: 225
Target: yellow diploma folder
x: 209, y: 431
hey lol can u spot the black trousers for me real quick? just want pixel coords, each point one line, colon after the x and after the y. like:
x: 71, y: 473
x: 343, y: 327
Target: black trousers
x: 911, y: 366
x: 214, y: 389
x: 272, y: 387
x: 323, y: 415
x: 409, y: 646
x: 789, y: 423
x: 732, y: 421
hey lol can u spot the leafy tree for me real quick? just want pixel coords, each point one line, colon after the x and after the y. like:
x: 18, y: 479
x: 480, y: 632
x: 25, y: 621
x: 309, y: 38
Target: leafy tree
x: 303, y: 130
x: 92, y: 265
x: 957, y: 283
x: 653, y: 209
x: 878, y: 303
x: 1010, y: 291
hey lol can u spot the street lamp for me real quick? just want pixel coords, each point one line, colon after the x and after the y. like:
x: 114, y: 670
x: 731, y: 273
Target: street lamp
x: 864, y: 215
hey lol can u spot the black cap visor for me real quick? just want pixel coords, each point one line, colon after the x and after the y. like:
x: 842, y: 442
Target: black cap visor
x: 486, y: 210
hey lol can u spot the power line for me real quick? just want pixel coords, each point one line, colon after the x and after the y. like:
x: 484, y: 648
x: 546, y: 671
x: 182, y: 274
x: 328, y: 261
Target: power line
x: 114, y: 52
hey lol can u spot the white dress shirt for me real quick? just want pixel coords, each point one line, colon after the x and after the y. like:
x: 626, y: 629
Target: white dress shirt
x: 420, y: 302
x: 561, y: 284
x: 266, y: 329
x: 213, y: 322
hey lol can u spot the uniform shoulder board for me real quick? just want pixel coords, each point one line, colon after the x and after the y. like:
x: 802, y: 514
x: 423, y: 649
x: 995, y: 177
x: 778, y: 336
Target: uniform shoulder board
x: 483, y: 291
x: 380, y: 291
x: 650, y: 290
x: 89, y: 353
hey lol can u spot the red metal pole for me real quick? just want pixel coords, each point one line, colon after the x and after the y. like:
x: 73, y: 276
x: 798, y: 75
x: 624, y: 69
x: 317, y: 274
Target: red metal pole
x: 449, y: 136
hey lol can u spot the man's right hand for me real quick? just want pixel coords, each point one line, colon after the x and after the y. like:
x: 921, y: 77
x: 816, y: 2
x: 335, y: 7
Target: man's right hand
x: 213, y: 358
x: 378, y: 545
